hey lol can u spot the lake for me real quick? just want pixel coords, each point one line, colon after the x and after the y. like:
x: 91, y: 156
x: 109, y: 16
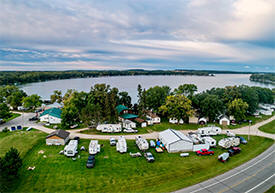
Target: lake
x: 130, y: 83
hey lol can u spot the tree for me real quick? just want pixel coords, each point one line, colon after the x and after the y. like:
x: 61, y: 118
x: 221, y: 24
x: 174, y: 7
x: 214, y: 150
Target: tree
x: 32, y: 101
x: 56, y: 96
x: 141, y: 101
x: 125, y: 99
x: 250, y: 96
x: 187, y: 90
x: 177, y: 106
x: 10, y: 163
x: 238, y: 109
x: 211, y: 106
x: 69, y: 116
x: 156, y: 96
x: 4, y: 110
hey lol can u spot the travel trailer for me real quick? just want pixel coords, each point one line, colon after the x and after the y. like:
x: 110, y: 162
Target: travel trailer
x: 142, y: 143
x: 212, y: 142
x: 121, y: 145
x: 209, y: 130
x: 229, y: 142
x: 94, y: 147
x: 70, y: 150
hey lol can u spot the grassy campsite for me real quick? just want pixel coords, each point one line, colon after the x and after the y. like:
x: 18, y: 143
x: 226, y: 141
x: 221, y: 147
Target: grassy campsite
x: 115, y: 172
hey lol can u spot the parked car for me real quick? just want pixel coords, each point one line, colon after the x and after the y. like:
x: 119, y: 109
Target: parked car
x: 223, y: 157
x: 33, y: 119
x: 149, y: 157
x: 234, y: 150
x: 112, y: 141
x: 242, y: 140
x: 205, y: 152
x: 152, y: 143
x: 130, y: 130
x: 91, y: 161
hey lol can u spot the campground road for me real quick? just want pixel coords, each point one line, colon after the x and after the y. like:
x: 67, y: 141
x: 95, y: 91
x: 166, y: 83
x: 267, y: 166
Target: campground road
x: 254, y: 176
x: 22, y: 120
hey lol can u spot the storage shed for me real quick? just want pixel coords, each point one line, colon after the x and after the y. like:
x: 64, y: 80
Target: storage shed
x: 58, y: 137
x: 175, y: 141
x: 224, y: 120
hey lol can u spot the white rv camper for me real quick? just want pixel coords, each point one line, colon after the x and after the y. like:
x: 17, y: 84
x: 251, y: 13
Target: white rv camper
x: 209, y: 130
x: 229, y: 142
x: 109, y: 128
x: 212, y: 142
x: 121, y: 145
x: 142, y: 143
x: 70, y: 150
x: 94, y: 147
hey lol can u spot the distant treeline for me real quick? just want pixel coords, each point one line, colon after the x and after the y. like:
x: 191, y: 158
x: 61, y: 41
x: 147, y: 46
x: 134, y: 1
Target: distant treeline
x: 263, y: 78
x: 22, y: 77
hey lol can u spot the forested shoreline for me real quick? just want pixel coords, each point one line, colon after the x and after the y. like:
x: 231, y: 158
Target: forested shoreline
x: 23, y: 77
x: 268, y: 78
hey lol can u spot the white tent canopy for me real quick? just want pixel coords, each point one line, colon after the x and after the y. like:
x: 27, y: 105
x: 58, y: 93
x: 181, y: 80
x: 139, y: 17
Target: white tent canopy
x: 175, y: 141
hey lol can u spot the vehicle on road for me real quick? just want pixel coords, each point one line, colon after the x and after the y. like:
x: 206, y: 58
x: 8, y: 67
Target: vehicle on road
x: 205, y: 152
x: 234, y: 150
x: 149, y: 156
x: 33, y: 119
x: 91, y: 161
x: 242, y: 140
x: 223, y: 157
x: 112, y: 141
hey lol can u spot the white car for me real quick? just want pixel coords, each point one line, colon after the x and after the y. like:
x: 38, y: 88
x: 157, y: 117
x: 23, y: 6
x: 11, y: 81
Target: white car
x: 130, y: 130
x: 112, y: 141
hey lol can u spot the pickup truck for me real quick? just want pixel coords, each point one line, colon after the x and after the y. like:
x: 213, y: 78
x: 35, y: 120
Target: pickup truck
x: 205, y: 152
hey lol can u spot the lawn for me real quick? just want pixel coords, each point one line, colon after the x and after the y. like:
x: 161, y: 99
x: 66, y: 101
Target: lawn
x: 269, y: 127
x: 12, y: 116
x: 116, y: 172
x: 21, y: 140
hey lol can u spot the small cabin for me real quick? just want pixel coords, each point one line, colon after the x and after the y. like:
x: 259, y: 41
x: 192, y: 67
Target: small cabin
x: 58, y: 137
x: 141, y: 122
x: 224, y: 120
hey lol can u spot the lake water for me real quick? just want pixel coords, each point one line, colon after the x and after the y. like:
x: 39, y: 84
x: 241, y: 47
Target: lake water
x: 130, y: 83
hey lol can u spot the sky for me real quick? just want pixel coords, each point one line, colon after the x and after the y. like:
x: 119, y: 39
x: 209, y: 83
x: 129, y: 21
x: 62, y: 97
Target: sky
x: 237, y: 35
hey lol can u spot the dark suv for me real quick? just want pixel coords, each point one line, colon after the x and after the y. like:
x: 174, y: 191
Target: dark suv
x: 234, y: 150
x: 91, y: 161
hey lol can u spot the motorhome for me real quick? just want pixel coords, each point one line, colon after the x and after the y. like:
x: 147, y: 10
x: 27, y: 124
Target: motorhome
x: 212, y: 142
x: 109, y: 128
x: 121, y: 145
x: 142, y: 143
x: 229, y: 142
x: 209, y: 130
x: 70, y: 150
x: 94, y: 147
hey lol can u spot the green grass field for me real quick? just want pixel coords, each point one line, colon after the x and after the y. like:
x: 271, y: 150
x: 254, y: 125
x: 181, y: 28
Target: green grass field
x: 268, y: 128
x: 21, y: 140
x: 115, y: 172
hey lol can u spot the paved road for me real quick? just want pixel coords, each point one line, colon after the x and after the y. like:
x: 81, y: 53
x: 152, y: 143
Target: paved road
x: 22, y: 120
x: 255, y: 176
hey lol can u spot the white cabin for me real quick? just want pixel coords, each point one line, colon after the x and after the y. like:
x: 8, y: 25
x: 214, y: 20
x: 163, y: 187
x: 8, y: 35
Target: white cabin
x: 127, y: 124
x: 224, y: 120
x: 70, y: 150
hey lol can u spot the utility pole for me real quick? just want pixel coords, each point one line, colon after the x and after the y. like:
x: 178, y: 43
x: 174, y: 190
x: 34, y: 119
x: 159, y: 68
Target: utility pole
x: 249, y: 130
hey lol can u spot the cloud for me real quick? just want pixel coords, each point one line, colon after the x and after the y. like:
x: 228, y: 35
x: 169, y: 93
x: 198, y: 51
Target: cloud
x: 147, y: 34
